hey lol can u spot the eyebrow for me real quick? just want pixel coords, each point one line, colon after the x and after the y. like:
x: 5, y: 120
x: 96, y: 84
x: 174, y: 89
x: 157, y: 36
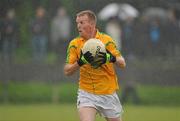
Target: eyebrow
x: 82, y: 20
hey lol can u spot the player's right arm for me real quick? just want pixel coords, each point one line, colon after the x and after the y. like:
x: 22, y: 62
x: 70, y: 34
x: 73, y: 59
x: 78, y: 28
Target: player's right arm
x: 69, y: 69
x: 86, y: 58
x: 75, y: 58
x: 71, y: 60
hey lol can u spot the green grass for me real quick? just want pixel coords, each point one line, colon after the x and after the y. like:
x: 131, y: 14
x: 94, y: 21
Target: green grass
x: 68, y: 112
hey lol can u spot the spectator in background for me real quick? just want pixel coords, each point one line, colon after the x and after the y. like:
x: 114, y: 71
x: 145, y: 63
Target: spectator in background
x: 60, y: 31
x: 9, y: 33
x: 128, y: 37
x: 154, y: 35
x: 39, y: 30
x: 172, y: 34
x: 113, y: 28
x: 130, y: 91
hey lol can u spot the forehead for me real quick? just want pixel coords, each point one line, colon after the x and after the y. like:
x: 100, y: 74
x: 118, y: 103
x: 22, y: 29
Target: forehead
x: 82, y: 18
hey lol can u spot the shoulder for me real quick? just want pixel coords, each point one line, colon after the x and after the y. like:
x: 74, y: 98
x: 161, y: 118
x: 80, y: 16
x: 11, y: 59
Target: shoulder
x: 74, y: 42
x: 109, y: 43
x: 105, y: 38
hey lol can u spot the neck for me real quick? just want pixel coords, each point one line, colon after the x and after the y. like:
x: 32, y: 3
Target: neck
x: 93, y: 34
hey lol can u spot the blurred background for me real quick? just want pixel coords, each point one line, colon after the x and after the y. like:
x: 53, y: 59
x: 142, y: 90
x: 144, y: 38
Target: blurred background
x: 34, y: 35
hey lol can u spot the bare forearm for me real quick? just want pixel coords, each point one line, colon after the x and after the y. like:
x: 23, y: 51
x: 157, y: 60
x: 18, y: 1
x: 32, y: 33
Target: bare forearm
x: 120, y: 61
x: 69, y: 69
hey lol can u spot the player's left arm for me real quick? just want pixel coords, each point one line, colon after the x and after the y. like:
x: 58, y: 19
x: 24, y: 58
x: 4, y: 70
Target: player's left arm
x: 120, y: 61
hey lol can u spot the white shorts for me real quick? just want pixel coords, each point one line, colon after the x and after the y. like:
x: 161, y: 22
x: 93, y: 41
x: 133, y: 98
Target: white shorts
x: 107, y: 105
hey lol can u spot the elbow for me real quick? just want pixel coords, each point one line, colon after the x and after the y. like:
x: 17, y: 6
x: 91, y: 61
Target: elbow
x: 121, y: 62
x: 69, y: 69
x: 67, y: 73
x: 122, y: 66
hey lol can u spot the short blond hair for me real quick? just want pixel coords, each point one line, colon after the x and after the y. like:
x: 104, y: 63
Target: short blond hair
x: 91, y: 15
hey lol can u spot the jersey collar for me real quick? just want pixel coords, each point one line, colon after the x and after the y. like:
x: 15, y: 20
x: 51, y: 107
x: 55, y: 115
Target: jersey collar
x: 97, y: 36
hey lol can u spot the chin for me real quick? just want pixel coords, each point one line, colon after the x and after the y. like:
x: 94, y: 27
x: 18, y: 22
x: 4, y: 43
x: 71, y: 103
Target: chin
x: 81, y: 34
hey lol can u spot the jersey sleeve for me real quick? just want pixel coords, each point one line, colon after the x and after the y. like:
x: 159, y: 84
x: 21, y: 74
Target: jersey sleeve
x: 111, y: 46
x: 71, y: 53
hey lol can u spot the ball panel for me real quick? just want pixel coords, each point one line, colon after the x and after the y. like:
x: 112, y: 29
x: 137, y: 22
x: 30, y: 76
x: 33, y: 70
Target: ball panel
x: 94, y: 46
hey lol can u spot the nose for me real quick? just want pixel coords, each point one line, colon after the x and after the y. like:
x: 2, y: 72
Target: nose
x: 78, y: 25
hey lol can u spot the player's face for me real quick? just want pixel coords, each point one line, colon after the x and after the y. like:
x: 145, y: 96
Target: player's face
x: 85, y: 26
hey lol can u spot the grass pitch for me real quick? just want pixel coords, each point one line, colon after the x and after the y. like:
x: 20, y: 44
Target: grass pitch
x: 68, y: 112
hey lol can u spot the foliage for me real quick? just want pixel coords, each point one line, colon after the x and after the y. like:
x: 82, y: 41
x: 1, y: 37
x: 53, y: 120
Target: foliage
x: 158, y: 95
x: 67, y: 93
x: 29, y: 92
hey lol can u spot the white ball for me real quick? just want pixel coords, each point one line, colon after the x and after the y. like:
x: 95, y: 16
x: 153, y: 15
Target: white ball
x: 94, y: 46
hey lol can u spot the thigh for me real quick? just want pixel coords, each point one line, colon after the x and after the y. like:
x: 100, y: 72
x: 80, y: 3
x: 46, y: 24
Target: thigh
x: 87, y: 113
x: 86, y: 108
x: 110, y: 107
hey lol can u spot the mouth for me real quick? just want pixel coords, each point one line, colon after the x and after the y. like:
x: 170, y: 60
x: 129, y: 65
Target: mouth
x: 80, y: 31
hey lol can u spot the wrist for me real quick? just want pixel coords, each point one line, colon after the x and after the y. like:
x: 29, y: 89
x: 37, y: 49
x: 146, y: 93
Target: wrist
x: 113, y: 60
x: 82, y: 61
x: 110, y: 58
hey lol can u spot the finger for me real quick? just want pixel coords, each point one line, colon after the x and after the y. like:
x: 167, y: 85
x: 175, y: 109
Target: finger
x: 98, y: 59
x: 101, y: 53
x: 87, y: 54
x: 108, y: 51
x: 90, y: 59
x: 95, y: 65
x: 81, y: 53
x: 100, y: 56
